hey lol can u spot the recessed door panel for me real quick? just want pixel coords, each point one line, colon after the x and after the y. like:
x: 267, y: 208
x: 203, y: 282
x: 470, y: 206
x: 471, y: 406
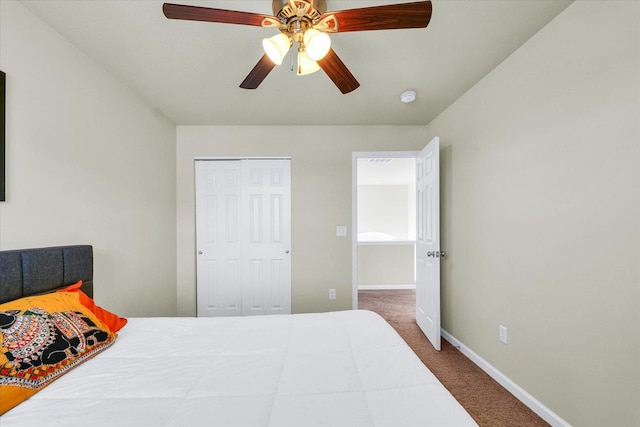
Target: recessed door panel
x: 429, y: 213
x: 213, y: 293
x: 211, y: 206
x: 254, y: 296
x: 255, y: 218
x: 277, y: 177
x: 229, y: 284
x: 231, y: 227
x: 276, y: 219
x: 279, y: 285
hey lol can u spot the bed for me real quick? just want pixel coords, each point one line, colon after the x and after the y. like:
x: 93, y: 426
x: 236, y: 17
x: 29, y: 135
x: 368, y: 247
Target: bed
x: 347, y: 368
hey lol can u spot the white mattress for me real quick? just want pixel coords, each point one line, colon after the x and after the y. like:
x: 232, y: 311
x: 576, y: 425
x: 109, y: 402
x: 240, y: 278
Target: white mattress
x: 334, y: 369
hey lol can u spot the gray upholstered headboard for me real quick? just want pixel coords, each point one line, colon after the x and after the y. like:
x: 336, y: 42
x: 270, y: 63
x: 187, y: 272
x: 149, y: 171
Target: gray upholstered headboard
x: 26, y: 272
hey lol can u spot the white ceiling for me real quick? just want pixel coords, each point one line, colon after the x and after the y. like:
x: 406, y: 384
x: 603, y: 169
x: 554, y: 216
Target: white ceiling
x: 190, y: 71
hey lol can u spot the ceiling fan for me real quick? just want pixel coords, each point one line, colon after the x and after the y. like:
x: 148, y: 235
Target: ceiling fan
x: 307, y: 23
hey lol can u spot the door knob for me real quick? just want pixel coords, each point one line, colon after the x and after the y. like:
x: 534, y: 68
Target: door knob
x: 199, y: 252
x: 435, y: 254
x: 286, y: 252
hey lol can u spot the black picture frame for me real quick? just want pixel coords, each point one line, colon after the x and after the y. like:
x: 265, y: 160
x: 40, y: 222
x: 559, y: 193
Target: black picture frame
x: 3, y: 91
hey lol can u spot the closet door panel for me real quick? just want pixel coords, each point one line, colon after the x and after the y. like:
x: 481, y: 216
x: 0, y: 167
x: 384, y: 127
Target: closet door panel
x: 268, y: 195
x: 218, y: 241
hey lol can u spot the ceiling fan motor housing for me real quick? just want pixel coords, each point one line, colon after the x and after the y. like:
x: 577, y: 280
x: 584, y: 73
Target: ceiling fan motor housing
x: 282, y: 11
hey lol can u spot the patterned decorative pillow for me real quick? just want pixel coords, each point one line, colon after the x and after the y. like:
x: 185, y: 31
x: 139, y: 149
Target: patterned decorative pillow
x: 43, y: 337
x: 109, y: 319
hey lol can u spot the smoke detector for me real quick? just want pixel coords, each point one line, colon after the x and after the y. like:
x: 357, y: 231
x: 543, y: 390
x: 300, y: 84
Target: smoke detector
x: 408, y: 96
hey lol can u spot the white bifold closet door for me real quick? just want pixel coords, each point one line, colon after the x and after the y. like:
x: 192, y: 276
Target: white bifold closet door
x: 243, y: 237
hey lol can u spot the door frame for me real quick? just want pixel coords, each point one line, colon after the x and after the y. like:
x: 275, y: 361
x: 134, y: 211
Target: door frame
x: 354, y: 207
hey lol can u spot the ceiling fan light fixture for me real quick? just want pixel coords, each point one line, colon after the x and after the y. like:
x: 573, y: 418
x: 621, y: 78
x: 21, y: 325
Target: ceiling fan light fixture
x: 316, y: 43
x: 306, y: 65
x: 276, y: 47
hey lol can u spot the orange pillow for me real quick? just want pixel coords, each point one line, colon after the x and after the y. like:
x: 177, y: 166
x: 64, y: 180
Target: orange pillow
x: 111, y: 320
x: 42, y: 338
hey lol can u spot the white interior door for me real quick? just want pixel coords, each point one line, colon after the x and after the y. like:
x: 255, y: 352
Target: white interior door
x: 428, y: 242
x: 243, y: 237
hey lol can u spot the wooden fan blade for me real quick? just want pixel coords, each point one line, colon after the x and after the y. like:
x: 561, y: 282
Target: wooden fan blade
x: 388, y: 17
x: 338, y: 72
x: 197, y: 13
x: 258, y: 74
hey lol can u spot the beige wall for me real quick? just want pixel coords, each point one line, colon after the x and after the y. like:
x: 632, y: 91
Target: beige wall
x: 87, y: 162
x: 541, y: 215
x: 383, y: 265
x: 321, y: 198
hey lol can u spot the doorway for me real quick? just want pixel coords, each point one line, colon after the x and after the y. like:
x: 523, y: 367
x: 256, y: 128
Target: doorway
x: 384, y: 222
x: 427, y: 255
x: 386, y: 218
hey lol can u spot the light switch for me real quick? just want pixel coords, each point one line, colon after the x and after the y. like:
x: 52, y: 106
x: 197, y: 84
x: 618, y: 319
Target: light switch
x: 341, y: 231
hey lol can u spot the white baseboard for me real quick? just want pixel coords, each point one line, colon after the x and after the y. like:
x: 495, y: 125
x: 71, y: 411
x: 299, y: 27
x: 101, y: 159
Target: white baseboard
x: 384, y: 287
x: 536, y: 406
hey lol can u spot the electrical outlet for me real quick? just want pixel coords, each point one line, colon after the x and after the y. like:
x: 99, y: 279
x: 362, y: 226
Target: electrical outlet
x: 503, y: 334
x: 332, y: 294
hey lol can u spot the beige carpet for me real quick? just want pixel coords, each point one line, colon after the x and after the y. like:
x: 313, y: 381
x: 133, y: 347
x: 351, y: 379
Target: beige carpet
x: 484, y: 399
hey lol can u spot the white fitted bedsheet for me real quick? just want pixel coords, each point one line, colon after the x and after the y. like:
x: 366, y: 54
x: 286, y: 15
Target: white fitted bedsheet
x: 347, y: 368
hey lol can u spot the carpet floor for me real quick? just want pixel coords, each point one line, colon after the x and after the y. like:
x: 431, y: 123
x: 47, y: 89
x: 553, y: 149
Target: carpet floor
x: 489, y: 403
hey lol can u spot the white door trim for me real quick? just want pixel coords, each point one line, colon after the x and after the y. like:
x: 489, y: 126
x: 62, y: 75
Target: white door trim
x: 354, y: 207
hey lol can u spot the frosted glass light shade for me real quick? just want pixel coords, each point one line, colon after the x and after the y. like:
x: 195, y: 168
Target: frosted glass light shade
x: 306, y: 65
x: 276, y: 47
x: 316, y: 43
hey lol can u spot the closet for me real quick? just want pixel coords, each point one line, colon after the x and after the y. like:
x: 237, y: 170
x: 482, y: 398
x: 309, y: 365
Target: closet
x: 243, y: 236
